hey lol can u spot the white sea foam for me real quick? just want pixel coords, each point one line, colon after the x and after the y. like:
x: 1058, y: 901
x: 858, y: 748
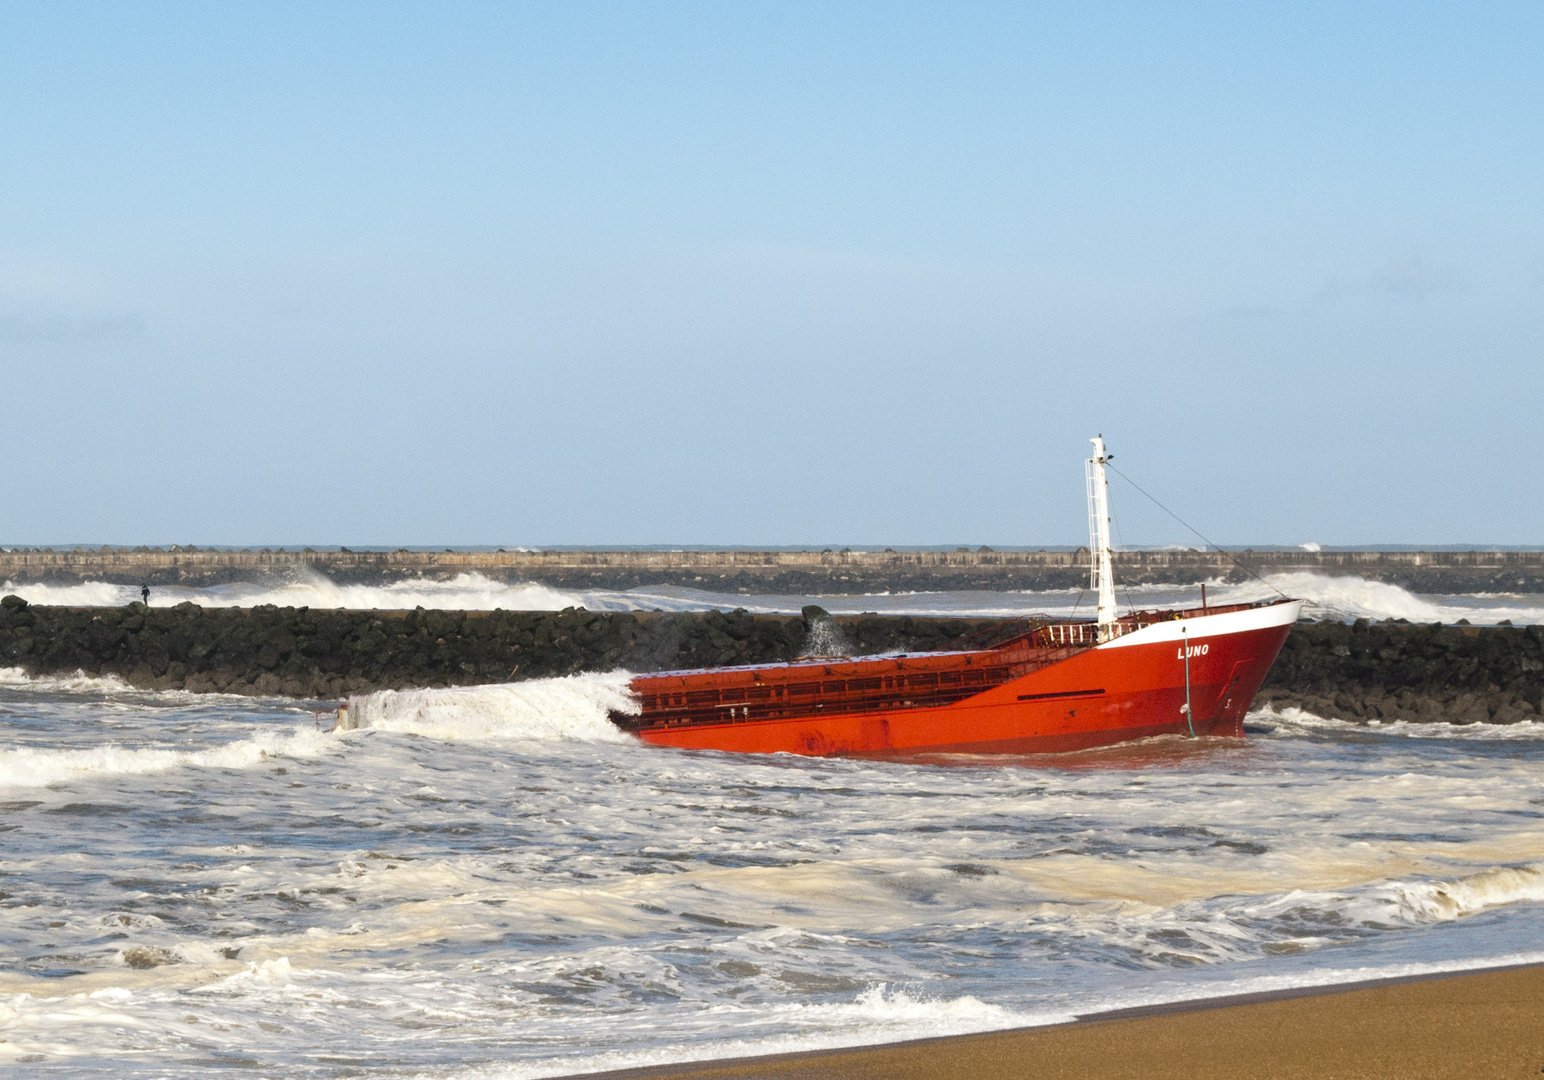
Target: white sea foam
x: 115, y: 688
x: 1351, y: 597
x: 1329, y: 597
x: 1444, y: 901
x: 1091, y: 1006
x: 1292, y: 717
x: 15, y: 678
x: 308, y: 588
x: 881, y: 1013
x: 469, y: 592
x: 571, y: 707
x: 1398, y: 902
x: 31, y: 767
x: 1343, y: 597
x: 76, y: 594
x: 275, y: 973
x: 38, y: 1028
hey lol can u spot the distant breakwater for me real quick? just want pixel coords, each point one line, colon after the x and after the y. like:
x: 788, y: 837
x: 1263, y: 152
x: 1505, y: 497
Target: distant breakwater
x: 1358, y: 671
x: 789, y: 572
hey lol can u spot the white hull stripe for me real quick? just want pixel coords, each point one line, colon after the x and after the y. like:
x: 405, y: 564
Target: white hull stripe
x: 1211, y: 626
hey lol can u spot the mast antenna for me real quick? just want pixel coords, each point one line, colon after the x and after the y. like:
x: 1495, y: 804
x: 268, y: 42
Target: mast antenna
x: 1101, y: 578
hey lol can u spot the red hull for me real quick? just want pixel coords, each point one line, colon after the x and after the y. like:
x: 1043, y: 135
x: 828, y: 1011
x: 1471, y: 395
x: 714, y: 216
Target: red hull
x: 1045, y: 691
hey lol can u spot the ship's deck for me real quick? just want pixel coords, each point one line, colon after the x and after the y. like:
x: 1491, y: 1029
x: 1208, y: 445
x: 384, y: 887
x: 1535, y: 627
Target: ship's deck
x: 825, y: 686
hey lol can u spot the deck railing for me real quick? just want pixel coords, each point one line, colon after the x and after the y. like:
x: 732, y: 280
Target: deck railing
x: 1086, y: 633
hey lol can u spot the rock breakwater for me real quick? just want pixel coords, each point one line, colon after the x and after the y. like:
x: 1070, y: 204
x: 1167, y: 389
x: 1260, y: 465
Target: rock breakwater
x: 314, y: 654
x: 1359, y: 671
x: 1411, y: 671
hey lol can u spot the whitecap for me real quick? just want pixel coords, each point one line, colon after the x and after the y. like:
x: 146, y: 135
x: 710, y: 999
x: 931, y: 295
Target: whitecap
x: 571, y: 707
x: 15, y: 678
x: 1352, y: 597
x: 1291, y: 719
x: 31, y: 767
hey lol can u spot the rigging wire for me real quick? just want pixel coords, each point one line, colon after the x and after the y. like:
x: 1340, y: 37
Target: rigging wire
x: 1187, y: 525
x: 1121, y: 540
x: 1081, y: 593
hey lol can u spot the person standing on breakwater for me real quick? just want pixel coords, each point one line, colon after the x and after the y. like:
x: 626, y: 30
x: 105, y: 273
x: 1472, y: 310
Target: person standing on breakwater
x: 144, y: 593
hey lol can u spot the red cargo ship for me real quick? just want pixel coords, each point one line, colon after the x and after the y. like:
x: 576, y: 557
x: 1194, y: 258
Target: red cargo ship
x: 1053, y: 685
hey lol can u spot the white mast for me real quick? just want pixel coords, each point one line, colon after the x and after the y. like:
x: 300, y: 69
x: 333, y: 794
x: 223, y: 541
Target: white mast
x: 1101, y: 579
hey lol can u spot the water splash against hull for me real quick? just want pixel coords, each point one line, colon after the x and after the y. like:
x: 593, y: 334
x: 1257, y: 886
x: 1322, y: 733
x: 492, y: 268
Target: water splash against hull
x: 572, y: 707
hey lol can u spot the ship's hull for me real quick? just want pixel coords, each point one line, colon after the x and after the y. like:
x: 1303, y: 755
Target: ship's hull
x: 1131, y: 687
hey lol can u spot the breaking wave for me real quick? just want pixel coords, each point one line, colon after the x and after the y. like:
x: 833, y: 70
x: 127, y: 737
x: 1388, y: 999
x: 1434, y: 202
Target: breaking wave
x: 1292, y: 717
x: 15, y: 678
x: 1444, y: 901
x: 309, y: 588
x: 1343, y: 597
x: 881, y: 1013
x: 1358, y: 598
x: 31, y: 767
x: 572, y: 707
x: 1328, y: 597
x: 1404, y: 903
x: 111, y: 686
x: 885, y: 1014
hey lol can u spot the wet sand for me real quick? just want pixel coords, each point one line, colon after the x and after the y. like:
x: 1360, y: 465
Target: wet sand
x: 1489, y: 1024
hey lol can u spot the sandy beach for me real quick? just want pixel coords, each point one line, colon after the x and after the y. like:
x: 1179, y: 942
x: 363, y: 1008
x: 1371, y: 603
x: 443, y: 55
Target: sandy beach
x: 1488, y: 1024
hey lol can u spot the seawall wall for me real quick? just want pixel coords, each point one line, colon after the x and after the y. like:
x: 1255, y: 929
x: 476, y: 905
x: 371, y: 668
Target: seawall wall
x: 777, y: 571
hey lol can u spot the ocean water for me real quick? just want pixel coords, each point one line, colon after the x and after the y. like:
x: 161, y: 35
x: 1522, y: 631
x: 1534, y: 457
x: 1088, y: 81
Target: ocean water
x: 493, y: 882
x: 1327, y: 598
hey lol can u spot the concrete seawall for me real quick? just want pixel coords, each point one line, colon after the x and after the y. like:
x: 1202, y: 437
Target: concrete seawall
x: 1358, y: 672
x: 778, y: 571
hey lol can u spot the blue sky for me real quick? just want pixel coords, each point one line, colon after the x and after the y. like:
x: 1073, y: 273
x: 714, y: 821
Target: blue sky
x: 769, y: 273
